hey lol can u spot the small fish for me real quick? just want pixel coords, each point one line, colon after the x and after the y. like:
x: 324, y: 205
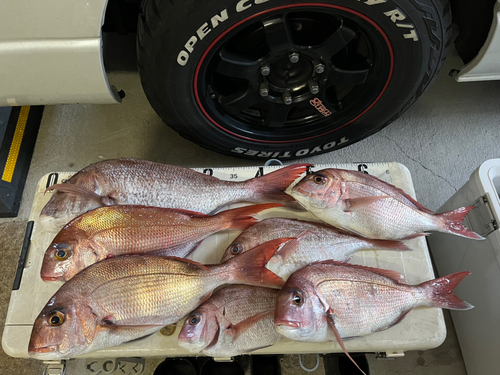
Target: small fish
x: 124, y: 229
x: 365, y: 205
x: 235, y: 320
x: 141, y: 182
x: 124, y: 298
x: 351, y: 301
x: 315, y: 242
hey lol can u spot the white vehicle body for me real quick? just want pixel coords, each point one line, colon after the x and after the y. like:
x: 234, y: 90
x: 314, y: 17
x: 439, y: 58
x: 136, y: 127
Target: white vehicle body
x: 51, y: 53
x: 486, y: 65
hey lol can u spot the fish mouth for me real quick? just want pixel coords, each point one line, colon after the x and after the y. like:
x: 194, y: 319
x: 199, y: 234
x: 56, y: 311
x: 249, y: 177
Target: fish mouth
x: 43, y: 350
x: 287, y: 324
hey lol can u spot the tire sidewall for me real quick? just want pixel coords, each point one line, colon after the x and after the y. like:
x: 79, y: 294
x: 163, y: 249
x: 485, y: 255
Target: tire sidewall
x: 172, y: 61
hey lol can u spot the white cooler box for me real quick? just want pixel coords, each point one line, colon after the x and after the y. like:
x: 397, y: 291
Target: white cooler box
x: 423, y: 328
x: 478, y: 329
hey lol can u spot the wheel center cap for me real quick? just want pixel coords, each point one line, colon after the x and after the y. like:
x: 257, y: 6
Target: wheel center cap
x: 287, y: 75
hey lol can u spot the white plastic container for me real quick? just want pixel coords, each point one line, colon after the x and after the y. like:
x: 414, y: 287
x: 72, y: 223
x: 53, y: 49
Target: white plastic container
x: 478, y: 329
x: 423, y: 328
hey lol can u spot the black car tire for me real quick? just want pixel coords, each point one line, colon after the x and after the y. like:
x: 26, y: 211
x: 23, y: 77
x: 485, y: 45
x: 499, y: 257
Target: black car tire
x: 286, y: 79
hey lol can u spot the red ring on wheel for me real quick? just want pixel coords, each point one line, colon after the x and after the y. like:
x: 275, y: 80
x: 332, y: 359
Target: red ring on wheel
x: 391, y: 53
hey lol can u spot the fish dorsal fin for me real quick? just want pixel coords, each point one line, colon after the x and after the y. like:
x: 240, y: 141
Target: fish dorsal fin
x: 393, y: 275
x: 192, y: 262
x: 352, y: 204
x: 329, y: 317
x: 239, y: 328
x: 411, y: 200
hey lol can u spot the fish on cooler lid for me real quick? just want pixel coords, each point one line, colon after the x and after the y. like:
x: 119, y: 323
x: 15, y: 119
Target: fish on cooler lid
x: 235, y: 320
x: 337, y: 300
x: 363, y: 204
x: 142, y: 182
x: 125, y: 229
x: 315, y: 242
x: 124, y: 298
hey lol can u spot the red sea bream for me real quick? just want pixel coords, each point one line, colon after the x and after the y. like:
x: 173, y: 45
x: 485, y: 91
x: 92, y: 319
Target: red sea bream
x: 141, y: 182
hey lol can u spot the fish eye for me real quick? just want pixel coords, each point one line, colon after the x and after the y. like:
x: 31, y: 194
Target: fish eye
x: 297, y: 298
x: 194, y: 319
x: 62, y: 254
x: 236, y: 249
x: 56, y: 318
x: 319, y: 179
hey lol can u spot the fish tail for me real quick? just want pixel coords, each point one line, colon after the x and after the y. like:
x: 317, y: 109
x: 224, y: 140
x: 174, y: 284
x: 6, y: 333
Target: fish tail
x: 452, y: 223
x: 250, y: 267
x: 242, y: 217
x: 272, y: 186
x: 439, y: 292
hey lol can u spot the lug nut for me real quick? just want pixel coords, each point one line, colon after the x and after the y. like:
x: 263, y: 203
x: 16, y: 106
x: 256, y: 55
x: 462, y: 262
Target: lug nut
x: 294, y: 57
x: 264, y: 89
x: 319, y: 68
x: 265, y: 70
x: 287, y: 97
x: 313, y: 87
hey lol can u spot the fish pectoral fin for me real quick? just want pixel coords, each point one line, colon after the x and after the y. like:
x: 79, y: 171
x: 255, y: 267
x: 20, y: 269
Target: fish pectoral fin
x: 339, y: 339
x: 77, y: 191
x: 237, y: 329
x: 110, y: 321
x: 352, y: 204
x: 291, y: 245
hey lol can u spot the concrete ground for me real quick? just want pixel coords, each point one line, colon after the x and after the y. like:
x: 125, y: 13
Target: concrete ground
x: 442, y: 138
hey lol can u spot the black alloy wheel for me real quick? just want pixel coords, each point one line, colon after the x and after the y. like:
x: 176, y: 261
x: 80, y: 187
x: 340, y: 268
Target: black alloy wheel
x: 292, y: 75
x: 282, y: 79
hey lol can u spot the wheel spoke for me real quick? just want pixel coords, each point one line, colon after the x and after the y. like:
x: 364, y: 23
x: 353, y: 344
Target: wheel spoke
x: 335, y: 42
x: 277, y: 34
x: 277, y: 115
x: 240, y: 100
x: 339, y: 76
x: 237, y: 66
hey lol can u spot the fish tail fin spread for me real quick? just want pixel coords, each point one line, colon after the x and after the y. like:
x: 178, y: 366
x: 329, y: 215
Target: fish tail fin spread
x: 272, y: 186
x: 439, y: 292
x: 389, y: 245
x: 241, y: 218
x: 250, y: 267
x: 452, y: 223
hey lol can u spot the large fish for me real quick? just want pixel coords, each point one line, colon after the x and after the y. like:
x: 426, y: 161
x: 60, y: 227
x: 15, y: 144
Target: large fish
x: 124, y: 298
x: 332, y: 299
x: 123, y: 229
x: 363, y: 204
x: 235, y: 320
x: 141, y: 182
x: 315, y: 242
